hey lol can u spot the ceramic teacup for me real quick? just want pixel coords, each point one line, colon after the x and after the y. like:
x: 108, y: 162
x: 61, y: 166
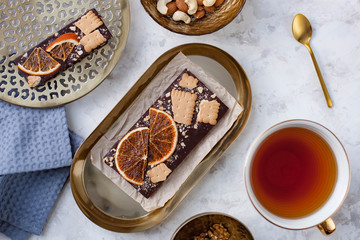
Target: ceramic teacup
x: 321, y: 217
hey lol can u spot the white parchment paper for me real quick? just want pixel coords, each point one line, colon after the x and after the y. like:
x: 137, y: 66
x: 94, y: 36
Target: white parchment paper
x: 157, y: 86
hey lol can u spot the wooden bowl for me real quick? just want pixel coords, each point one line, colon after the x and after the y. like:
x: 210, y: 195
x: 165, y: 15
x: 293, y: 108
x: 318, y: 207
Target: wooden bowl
x: 211, y: 22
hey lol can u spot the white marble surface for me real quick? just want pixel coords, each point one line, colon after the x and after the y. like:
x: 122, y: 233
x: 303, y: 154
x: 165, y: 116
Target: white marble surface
x: 284, y: 86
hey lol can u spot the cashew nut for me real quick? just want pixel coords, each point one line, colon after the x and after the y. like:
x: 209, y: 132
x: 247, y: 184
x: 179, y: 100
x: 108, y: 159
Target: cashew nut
x: 209, y: 3
x: 161, y: 6
x: 181, y: 16
x: 192, y: 4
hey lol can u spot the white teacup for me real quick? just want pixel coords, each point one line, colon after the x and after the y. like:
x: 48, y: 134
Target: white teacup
x: 322, y: 216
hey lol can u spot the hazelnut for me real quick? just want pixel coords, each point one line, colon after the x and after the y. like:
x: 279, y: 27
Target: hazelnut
x: 209, y: 9
x: 218, y: 3
x: 182, y: 6
x: 171, y: 8
x: 200, y: 2
x: 199, y: 13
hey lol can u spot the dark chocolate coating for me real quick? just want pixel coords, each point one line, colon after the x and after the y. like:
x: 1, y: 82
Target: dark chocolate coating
x: 190, y: 139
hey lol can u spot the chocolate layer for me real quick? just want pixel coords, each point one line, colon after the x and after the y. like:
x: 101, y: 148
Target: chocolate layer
x: 77, y: 54
x: 188, y: 136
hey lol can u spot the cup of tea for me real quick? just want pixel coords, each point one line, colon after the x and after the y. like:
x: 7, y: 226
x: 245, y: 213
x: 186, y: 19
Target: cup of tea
x: 297, y: 175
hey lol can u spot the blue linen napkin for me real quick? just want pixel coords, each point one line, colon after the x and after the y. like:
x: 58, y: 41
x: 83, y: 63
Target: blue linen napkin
x: 36, y: 150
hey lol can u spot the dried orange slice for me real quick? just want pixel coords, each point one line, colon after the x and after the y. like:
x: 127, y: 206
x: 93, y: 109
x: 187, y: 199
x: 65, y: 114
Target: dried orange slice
x: 131, y: 155
x: 61, y: 47
x: 163, y: 136
x: 39, y: 63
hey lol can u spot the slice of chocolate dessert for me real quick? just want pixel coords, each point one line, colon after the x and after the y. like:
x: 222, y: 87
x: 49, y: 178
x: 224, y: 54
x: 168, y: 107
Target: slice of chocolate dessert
x: 193, y: 108
x: 63, y: 49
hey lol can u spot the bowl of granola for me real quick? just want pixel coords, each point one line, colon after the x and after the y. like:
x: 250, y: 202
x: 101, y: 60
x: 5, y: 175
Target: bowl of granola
x: 193, y: 17
x: 212, y: 226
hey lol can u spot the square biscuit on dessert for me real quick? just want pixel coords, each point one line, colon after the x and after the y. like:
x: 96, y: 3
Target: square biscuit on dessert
x: 158, y: 173
x: 208, y: 112
x: 88, y: 23
x: 92, y: 41
x: 183, y: 106
x: 188, y: 81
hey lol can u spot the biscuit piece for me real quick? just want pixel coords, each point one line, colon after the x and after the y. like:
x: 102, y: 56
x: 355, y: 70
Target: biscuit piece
x: 208, y: 112
x: 92, y: 41
x: 33, y: 80
x: 188, y: 81
x: 183, y: 105
x: 158, y: 173
x: 88, y: 23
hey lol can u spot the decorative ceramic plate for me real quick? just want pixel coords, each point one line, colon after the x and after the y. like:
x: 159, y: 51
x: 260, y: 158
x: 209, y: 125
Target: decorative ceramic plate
x: 23, y: 25
x: 106, y: 204
x: 211, y: 22
x: 201, y: 223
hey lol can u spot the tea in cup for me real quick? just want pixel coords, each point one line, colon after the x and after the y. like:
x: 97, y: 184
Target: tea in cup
x: 297, y: 175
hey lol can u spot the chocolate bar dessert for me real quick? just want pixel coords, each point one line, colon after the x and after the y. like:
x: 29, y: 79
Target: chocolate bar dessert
x: 165, y: 134
x: 63, y: 49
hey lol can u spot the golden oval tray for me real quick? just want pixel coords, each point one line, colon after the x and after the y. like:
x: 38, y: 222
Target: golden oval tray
x: 82, y: 175
x: 23, y: 25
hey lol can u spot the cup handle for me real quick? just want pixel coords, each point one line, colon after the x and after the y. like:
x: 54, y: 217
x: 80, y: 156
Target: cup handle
x: 327, y: 227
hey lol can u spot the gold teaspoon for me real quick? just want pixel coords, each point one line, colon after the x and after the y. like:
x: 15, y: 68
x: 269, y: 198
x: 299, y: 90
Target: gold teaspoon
x: 302, y: 31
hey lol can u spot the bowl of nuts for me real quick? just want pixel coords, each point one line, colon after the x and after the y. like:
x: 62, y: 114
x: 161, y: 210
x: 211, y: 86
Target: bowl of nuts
x: 212, y: 226
x: 193, y: 17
